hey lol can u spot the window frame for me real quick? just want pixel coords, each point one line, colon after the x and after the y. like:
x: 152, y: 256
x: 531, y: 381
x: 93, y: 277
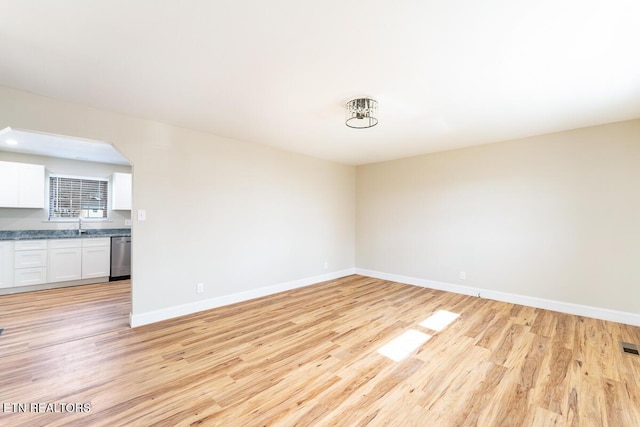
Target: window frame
x: 107, y: 193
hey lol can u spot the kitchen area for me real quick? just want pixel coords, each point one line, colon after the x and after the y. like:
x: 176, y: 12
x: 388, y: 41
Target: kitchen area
x: 65, y: 212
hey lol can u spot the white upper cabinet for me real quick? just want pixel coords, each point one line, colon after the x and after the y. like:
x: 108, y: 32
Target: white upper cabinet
x: 21, y: 185
x: 31, y: 182
x: 9, y: 189
x: 121, y: 188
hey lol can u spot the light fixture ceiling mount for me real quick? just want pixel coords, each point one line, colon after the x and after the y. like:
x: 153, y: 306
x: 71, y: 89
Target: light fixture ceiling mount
x: 362, y: 113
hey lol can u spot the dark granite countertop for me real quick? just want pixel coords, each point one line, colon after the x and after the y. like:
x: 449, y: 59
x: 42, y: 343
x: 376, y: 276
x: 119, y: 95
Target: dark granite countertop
x: 63, y: 234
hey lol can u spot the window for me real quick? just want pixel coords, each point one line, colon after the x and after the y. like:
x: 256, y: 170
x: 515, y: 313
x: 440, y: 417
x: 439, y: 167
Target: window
x: 76, y: 197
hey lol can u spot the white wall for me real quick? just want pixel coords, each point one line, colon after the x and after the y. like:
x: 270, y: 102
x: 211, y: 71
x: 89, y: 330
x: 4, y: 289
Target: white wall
x: 554, y: 217
x: 37, y: 219
x: 233, y: 215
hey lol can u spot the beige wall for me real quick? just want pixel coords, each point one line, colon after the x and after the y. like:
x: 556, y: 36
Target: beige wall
x: 555, y: 217
x: 37, y: 219
x: 232, y: 215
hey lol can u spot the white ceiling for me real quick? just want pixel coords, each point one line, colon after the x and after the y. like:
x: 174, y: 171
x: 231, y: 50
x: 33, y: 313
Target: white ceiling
x: 42, y: 144
x: 446, y: 73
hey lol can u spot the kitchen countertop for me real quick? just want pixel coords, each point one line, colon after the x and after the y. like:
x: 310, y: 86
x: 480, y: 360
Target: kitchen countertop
x: 63, y: 234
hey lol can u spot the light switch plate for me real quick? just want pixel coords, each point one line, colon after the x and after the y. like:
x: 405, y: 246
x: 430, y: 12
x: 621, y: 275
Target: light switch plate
x: 142, y: 215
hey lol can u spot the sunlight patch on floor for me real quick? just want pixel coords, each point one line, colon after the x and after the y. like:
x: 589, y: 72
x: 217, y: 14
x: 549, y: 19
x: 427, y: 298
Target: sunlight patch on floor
x: 439, y: 320
x: 405, y: 344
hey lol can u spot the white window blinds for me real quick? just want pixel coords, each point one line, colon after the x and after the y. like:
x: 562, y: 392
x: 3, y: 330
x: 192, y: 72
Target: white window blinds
x: 71, y: 197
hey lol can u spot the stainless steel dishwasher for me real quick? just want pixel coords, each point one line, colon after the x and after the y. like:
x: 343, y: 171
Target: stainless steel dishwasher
x: 120, y: 258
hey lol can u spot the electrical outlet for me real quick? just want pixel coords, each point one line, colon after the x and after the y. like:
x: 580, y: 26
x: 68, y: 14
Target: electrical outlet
x: 200, y: 288
x: 127, y: 222
x: 463, y: 275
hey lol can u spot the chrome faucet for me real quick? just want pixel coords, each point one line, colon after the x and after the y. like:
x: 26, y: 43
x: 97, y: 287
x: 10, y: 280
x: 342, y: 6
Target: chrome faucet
x: 80, y: 230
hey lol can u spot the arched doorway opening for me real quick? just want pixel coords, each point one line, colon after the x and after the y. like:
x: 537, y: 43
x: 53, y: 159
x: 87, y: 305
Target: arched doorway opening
x: 80, y: 204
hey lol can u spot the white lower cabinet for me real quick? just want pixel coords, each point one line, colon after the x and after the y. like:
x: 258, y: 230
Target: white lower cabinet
x: 30, y: 262
x: 96, y: 257
x: 65, y: 260
x: 34, y: 262
x: 34, y: 258
x: 30, y: 276
x: 7, y: 266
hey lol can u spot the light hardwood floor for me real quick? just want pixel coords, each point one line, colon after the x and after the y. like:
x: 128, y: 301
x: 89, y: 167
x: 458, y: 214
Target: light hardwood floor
x: 309, y: 357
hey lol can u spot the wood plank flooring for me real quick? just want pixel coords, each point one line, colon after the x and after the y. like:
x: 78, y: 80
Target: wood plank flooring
x: 308, y: 357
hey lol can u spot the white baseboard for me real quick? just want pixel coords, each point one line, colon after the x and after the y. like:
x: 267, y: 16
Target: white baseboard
x: 140, y: 319
x: 563, y: 307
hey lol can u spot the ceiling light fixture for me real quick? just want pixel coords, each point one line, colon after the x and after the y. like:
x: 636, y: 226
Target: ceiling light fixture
x: 362, y: 113
x: 11, y: 142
